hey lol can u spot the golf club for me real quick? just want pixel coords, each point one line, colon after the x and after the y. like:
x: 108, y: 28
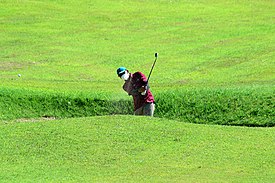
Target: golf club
x: 156, y: 57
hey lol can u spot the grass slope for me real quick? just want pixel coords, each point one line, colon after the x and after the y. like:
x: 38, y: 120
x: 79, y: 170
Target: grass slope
x: 243, y: 107
x: 74, y: 47
x: 77, y: 45
x: 134, y: 149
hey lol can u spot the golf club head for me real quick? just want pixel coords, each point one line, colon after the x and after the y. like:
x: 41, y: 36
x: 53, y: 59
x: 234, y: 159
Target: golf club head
x: 156, y: 55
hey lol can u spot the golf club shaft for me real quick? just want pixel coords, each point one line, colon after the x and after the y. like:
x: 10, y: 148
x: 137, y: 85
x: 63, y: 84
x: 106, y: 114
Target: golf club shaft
x: 156, y: 55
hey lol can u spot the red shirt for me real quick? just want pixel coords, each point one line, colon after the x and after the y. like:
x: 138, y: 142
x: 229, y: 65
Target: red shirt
x: 131, y: 86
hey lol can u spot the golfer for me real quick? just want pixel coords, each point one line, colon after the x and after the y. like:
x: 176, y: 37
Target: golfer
x: 136, y: 85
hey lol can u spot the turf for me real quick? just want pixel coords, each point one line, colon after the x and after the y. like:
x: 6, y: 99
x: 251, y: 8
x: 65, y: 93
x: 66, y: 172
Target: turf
x: 242, y: 107
x: 133, y: 149
x: 73, y: 48
x: 77, y: 46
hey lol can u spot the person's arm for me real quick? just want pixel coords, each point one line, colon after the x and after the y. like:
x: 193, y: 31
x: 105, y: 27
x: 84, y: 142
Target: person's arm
x: 129, y: 89
x: 143, y: 82
x: 134, y: 92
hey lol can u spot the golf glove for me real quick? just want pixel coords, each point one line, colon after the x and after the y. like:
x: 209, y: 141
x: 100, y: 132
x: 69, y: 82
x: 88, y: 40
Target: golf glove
x: 143, y: 90
x: 143, y: 93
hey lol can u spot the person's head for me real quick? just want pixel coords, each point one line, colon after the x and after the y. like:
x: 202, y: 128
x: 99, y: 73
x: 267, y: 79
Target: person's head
x: 123, y: 73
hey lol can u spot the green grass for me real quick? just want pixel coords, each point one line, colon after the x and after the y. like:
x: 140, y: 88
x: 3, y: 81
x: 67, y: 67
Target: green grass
x: 239, y: 106
x: 56, y: 46
x: 133, y: 149
x: 216, y: 66
x: 242, y: 107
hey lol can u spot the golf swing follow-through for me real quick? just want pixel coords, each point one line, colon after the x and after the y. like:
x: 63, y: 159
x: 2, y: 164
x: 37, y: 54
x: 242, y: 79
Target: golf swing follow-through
x: 156, y: 57
x: 136, y: 84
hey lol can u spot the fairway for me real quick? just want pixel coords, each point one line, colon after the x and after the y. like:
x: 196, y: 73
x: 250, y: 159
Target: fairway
x: 76, y: 46
x: 64, y: 116
x: 134, y: 149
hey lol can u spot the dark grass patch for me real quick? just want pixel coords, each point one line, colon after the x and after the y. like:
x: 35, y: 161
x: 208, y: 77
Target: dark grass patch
x: 224, y: 107
x: 251, y: 108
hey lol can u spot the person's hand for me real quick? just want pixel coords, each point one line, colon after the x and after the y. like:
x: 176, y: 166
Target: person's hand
x: 142, y: 90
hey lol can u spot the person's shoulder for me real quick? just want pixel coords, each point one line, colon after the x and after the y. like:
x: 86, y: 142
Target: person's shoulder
x: 138, y: 73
